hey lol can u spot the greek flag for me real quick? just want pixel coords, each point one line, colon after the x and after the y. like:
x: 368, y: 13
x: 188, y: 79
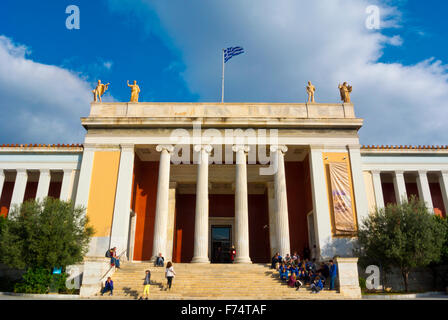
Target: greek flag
x: 232, y: 51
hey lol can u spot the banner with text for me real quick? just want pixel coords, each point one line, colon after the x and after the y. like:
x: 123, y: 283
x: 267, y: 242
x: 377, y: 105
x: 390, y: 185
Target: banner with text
x: 342, y: 200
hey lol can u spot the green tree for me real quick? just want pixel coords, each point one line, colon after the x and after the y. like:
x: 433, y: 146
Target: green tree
x: 44, y: 234
x: 405, y: 236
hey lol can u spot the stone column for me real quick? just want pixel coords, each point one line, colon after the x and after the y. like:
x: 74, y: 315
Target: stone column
x: 379, y: 198
x: 443, y: 181
x: 43, y: 186
x: 241, y: 206
x: 321, y: 209
x: 66, y: 183
x: 200, y: 254
x: 171, y: 218
x: 2, y: 181
x: 359, y: 188
x: 19, y: 188
x: 400, y: 187
x: 281, y: 201
x: 162, y: 202
x: 423, y: 190
x: 85, y: 176
x: 272, y: 225
x: 122, y: 208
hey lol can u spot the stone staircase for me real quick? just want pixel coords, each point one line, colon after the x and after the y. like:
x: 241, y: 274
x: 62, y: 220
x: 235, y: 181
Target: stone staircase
x: 209, y: 281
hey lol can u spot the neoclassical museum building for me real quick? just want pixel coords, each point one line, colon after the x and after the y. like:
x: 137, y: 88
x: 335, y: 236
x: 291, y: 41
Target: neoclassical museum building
x: 189, y: 180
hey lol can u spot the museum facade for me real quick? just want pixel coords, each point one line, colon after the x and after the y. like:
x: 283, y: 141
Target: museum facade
x: 189, y: 180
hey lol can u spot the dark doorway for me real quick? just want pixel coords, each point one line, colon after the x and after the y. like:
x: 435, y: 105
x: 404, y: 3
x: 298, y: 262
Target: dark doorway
x: 221, y: 244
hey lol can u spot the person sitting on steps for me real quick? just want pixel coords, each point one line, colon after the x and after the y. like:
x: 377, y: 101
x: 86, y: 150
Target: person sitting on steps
x: 283, y: 271
x: 292, y: 280
x: 160, y: 260
x: 317, y: 285
x: 108, y: 286
x: 114, y: 260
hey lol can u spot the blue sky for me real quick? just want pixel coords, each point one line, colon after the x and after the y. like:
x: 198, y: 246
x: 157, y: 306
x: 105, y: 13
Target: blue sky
x: 172, y: 48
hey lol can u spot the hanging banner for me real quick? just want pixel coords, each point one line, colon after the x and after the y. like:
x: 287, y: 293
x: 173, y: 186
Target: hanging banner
x: 342, y: 200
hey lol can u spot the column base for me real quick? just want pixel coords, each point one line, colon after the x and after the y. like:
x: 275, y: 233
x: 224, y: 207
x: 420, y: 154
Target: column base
x: 200, y: 260
x: 242, y: 260
x: 348, y: 277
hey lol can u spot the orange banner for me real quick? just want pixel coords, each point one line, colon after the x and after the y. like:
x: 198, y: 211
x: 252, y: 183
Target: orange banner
x: 342, y: 200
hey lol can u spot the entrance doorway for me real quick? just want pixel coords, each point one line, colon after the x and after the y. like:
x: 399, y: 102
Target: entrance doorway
x: 221, y: 237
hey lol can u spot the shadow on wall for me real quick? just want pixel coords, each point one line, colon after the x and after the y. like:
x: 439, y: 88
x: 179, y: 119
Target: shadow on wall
x: 420, y: 279
x: 342, y: 247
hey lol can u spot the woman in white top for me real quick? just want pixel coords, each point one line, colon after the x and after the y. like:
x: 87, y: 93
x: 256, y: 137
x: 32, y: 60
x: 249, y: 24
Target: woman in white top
x: 169, y: 274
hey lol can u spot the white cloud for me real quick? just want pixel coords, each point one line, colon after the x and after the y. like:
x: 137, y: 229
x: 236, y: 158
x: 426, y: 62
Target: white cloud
x: 289, y: 42
x: 39, y: 103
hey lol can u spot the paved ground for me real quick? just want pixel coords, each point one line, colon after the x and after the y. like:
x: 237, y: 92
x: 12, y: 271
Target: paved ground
x: 10, y: 297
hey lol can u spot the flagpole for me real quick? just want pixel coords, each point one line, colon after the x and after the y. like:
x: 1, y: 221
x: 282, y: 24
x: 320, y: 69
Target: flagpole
x: 222, y: 89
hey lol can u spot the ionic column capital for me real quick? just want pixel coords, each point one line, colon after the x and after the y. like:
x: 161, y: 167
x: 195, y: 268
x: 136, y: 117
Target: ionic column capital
x: 375, y: 172
x: 240, y: 147
x: 203, y: 147
x: 422, y: 172
x: 282, y: 148
x: 399, y: 173
x: 165, y: 147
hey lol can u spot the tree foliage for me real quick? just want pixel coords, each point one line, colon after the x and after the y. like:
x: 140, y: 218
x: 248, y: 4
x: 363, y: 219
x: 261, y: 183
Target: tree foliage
x: 44, y: 234
x: 405, y: 236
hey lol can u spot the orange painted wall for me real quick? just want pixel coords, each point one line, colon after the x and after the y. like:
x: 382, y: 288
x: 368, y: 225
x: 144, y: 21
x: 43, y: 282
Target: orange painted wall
x: 298, y: 186
x: 411, y: 189
x: 30, y: 191
x: 259, y: 249
x: 437, y: 199
x: 221, y: 206
x: 184, y: 229
x: 6, y: 197
x: 100, y: 208
x: 144, y: 197
x: 388, y: 193
x: 55, y: 189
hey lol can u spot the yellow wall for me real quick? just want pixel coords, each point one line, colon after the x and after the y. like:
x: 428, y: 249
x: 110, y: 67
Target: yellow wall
x: 103, y: 184
x: 338, y: 157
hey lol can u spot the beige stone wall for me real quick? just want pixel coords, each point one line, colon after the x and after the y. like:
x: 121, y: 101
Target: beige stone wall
x: 368, y: 181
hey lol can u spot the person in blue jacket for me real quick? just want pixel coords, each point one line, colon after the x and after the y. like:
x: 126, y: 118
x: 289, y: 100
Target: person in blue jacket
x: 108, y: 286
x: 294, y: 269
x: 317, y: 285
x: 333, y: 274
x: 283, y: 272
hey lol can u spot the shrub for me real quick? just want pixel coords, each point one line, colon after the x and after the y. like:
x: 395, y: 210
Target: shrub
x: 405, y: 236
x: 362, y: 284
x: 44, y: 235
